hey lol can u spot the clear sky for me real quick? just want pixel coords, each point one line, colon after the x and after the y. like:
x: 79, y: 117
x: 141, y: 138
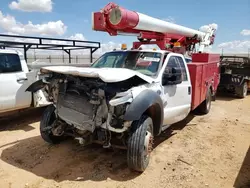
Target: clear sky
x: 72, y: 18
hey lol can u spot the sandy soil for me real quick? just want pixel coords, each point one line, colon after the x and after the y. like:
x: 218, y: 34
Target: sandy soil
x: 202, y: 151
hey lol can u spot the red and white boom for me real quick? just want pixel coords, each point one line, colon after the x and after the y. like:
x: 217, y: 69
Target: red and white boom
x: 168, y: 36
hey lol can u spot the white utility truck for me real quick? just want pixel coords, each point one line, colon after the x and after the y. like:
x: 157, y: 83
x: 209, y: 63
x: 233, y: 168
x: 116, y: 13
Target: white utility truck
x: 130, y: 95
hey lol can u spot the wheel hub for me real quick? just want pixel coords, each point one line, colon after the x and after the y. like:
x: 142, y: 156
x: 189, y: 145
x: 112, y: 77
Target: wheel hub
x: 57, y: 129
x: 148, y: 145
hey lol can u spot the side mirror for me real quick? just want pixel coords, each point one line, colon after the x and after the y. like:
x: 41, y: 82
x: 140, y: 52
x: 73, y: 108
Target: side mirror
x: 172, y: 76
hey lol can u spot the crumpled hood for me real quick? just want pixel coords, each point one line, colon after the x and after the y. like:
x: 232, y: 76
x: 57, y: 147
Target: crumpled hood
x: 105, y: 74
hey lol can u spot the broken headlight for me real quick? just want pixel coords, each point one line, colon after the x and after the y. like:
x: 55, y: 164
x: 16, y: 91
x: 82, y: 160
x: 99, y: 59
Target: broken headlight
x: 121, y: 98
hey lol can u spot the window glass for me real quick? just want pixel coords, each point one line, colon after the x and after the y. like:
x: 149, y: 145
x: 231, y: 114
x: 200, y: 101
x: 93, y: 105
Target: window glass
x: 110, y: 61
x: 10, y: 63
x: 188, y: 60
x: 172, y: 63
x: 183, y: 69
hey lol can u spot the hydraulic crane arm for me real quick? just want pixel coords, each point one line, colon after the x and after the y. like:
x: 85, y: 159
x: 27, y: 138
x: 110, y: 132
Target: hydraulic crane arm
x: 119, y: 21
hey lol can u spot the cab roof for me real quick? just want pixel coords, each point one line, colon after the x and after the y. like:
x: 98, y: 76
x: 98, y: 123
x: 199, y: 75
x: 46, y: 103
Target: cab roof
x: 8, y: 51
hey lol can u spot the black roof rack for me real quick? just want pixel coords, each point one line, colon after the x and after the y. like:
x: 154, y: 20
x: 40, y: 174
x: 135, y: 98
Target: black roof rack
x: 42, y: 43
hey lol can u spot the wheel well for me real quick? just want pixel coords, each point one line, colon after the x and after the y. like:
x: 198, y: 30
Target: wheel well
x: 247, y: 81
x: 248, y: 84
x: 154, y: 111
x: 32, y: 100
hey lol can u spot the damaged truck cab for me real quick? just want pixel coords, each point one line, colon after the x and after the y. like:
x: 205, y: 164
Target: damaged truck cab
x: 124, y: 99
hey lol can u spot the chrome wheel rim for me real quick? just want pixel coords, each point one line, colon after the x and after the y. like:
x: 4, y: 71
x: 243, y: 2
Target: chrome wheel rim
x: 148, y: 144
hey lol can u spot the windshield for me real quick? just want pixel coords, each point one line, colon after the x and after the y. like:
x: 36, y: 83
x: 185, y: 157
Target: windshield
x: 144, y: 62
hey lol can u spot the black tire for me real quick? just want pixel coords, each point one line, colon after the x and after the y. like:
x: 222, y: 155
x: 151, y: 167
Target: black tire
x: 214, y: 96
x: 241, y: 91
x: 140, y: 144
x: 47, y: 120
x: 205, y: 106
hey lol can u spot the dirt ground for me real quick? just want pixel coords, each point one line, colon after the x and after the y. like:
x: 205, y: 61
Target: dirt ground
x: 202, y: 151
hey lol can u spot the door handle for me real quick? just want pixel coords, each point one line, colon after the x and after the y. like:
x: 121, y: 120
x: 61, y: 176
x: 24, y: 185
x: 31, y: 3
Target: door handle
x: 189, y: 90
x: 21, y: 79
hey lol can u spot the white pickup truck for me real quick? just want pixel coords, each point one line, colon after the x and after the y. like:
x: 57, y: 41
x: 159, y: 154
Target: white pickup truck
x: 126, y: 96
x: 15, y: 77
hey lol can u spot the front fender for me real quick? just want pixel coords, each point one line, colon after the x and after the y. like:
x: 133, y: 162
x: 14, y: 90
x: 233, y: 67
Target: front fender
x: 37, y: 85
x: 145, y: 100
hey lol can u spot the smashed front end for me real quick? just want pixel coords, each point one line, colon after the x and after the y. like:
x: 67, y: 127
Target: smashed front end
x: 89, y: 109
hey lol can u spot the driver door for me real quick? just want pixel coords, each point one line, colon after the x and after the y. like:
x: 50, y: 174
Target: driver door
x: 176, y: 98
x: 13, y: 82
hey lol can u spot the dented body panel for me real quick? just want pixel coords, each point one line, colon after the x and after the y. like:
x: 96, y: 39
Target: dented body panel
x: 105, y: 74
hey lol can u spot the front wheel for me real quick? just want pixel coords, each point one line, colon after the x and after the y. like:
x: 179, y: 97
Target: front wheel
x: 140, y: 144
x: 47, y: 125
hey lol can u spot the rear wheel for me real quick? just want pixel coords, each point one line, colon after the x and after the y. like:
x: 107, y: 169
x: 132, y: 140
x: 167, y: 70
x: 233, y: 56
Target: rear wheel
x: 205, y: 106
x: 241, y: 91
x: 140, y: 144
x: 47, y: 124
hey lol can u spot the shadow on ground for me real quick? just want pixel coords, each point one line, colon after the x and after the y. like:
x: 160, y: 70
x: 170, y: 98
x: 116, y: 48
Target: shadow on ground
x: 69, y: 161
x: 171, y: 130
x: 21, y: 120
x: 243, y: 177
x: 225, y: 96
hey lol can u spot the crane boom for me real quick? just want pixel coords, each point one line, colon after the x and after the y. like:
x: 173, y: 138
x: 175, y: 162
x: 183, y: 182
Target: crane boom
x: 117, y: 20
x: 153, y: 24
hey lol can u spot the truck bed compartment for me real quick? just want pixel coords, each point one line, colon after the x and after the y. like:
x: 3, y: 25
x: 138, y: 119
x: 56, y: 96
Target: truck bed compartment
x: 204, y: 74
